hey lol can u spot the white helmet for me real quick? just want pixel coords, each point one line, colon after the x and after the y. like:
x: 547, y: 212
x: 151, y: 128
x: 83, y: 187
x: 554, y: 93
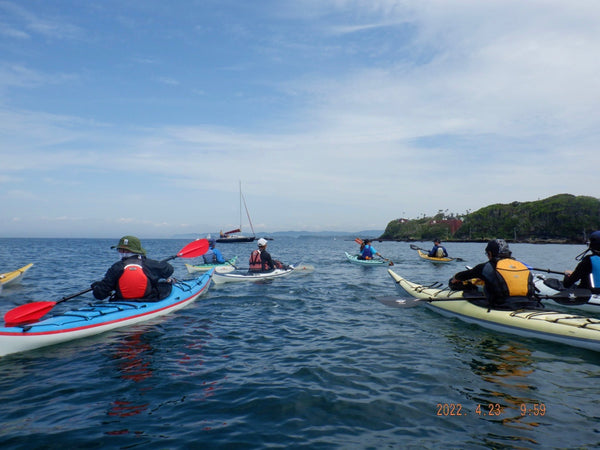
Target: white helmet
x: 262, y: 242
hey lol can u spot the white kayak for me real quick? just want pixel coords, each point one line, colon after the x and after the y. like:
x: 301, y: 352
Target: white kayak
x: 552, y: 286
x: 232, y: 277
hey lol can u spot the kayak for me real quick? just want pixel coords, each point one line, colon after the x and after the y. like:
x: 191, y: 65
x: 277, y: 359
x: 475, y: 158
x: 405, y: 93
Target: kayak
x: 365, y: 262
x: 14, y: 276
x: 434, y: 259
x: 227, y: 266
x: 220, y: 278
x: 552, y: 286
x: 574, y: 330
x: 98, y: 317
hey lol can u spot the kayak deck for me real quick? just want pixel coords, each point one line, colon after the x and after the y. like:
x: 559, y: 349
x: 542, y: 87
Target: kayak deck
x: 575, y: 330
x: 227, y: 266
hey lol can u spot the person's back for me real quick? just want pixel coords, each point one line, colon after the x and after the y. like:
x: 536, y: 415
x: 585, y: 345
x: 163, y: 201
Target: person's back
x: 260, y: 259
x: 134, y: 276
x: 504, y: 277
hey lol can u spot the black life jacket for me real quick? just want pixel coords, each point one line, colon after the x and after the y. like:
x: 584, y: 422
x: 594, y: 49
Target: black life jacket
x: 134, y: 282
x: 510, y: 278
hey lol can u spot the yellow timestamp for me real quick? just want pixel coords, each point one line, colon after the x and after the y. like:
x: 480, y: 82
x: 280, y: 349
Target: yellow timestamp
x: 488, y: 409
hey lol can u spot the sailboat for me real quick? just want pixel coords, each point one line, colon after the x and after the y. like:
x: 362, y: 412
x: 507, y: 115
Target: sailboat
x: 231, y: 236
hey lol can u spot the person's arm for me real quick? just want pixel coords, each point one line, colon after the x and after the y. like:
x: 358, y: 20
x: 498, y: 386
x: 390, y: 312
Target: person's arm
x: 582, y: 270
x: 475, y: 272
x: 160, y: 269
x: 219, y: 256
x: 432, y: 251
x: 103, y: 288
x: 445, y: 252
x: 267, y: 260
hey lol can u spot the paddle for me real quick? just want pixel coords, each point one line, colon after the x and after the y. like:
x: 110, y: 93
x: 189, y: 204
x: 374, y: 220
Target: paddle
x: 414, y: 247
x: 547, y: 270
x: 567, y: 297
x: 359, y: 241
x: 32, y: 312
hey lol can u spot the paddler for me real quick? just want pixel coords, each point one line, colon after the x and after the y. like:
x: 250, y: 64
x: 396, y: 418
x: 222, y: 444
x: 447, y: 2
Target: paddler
x: 438, y: 251
x: 587, y: 271
x: 504, y: 277
x: 134, y: 276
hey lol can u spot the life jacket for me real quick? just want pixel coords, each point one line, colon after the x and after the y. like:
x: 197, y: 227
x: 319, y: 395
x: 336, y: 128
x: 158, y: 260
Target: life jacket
x: 367, y: 252
x: 439, y: 253
x: 510, y: 278
x: 595, y: 274
x: 209, y: 257
x: 256, y: 264
x: 134, y: 283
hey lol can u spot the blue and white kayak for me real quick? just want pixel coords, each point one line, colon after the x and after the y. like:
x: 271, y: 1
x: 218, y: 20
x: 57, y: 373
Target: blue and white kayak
x: 365, y: 262
x: 98, y: 317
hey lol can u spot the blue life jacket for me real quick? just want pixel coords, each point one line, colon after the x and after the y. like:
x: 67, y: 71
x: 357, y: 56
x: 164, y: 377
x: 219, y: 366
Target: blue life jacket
x: 209, y: 257
x: 595, y: 274
x: 368, y: 252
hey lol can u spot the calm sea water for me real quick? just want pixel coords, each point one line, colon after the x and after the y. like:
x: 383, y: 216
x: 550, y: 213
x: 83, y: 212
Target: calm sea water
x: 313, y: 361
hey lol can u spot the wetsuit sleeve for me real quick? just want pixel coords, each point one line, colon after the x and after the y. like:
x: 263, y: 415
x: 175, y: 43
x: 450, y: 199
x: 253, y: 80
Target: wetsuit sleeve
x: 103, y: 288
x: 159, y: 269
x: 219, y: 256
x: 581, y: 272
x: 475, y: 272
x: 267, y: 260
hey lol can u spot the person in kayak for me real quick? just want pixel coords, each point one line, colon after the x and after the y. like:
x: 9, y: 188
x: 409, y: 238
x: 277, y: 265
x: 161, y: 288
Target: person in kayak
x: 134, y: 276
x: 504, y: 277
x: 368, y: 251
x: 438, y: 251
x: 213, y: 255
x: 587, y: 271
x: 261, y: 260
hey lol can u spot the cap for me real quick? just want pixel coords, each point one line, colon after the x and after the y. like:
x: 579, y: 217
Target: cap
x: 131, y: 244
x: 436, y: 241
x: 262, y: 242
x: 498, y: 247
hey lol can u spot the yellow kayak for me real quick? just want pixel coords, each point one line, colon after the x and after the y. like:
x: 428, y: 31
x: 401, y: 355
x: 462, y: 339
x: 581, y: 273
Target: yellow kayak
x: 434, y: 259
x: 14, y: 276
x: 570, y: 329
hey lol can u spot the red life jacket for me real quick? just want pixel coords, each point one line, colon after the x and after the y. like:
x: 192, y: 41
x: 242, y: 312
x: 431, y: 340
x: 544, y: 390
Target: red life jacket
x: 256, y: 264
x: 133, y: 282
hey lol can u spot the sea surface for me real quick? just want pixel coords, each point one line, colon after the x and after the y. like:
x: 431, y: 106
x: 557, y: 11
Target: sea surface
x: 314, y: 360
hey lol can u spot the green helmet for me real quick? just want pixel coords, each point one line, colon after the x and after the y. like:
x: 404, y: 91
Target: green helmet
x: 131, y: 244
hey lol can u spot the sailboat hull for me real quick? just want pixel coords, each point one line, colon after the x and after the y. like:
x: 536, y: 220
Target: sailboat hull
x: 234, y: 239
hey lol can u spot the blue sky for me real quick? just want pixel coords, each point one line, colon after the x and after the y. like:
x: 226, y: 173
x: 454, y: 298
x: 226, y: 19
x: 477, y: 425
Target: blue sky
x: 141, y: 117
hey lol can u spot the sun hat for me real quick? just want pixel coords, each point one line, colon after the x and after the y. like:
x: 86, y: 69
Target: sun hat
x: 131, y: 244
x: 262, y: 242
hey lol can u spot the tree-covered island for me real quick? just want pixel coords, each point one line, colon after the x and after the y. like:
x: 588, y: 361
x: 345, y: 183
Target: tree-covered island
x: 562, y: 218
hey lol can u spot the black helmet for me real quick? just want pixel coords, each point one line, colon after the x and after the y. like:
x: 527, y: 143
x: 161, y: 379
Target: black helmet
x: 595, y: 241
x: 498, y: 248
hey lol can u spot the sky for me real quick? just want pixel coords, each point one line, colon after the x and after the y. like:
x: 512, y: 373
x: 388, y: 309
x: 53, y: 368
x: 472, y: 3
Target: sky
x: 143, y: 117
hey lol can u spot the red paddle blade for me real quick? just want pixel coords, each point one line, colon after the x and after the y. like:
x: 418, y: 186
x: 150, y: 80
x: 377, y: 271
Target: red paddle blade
x: 359, y: 241
x: 196, y: 248
x: 27, y: 313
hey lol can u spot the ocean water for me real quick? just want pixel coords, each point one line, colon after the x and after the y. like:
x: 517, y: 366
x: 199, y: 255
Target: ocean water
x: 313, y: 360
